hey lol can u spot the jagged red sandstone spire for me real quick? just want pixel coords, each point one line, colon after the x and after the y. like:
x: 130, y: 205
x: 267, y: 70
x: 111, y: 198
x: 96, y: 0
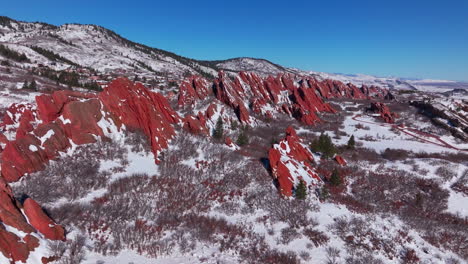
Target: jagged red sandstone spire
x: 290, y: 162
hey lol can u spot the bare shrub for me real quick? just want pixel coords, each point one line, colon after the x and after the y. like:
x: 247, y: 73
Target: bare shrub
x: 368, y: 258
x: 461, y: 185
x: 395, y: 154
x: 138, y: 141
x: 333, y: 255
x: 446, y: 173
x: 316, y: 237
x: 305, y: 255
x: 70, y: 177
x: 288, y: 234
x: 69, y: 252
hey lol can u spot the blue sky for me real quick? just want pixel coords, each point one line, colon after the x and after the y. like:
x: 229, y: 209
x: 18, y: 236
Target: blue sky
x: 418, y: 39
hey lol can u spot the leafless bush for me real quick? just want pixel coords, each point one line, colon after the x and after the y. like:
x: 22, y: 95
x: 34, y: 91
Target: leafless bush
x: 138, y: 141
x: 395, y: 154
x: 361, y: 126
x: 70, y: 177
x: 288, y: 234
x: 446, y: 173
x: 368, y: 258
x: 70, y: 252
x: 333, y: 255
x: 366, y: 154
x: 293, y: 212
x: 448, y: 156
x: 362, y: 238
x: 461, y: 185
x: 316, y: 237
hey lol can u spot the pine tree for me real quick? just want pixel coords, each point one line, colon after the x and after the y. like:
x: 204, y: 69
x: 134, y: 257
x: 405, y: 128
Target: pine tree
x: 25, y: 85
x: 301, y: 190
x: 335, y: 178
x: 33, y: 86
x: 234, y: 125
x: 351, y: 142
x: 219, y: 130
x: 324, y: 145
x: 242, y: 139
x: 324, y: 193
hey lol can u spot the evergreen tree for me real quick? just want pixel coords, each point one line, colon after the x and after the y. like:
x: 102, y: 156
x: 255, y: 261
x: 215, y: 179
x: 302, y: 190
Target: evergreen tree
x: 219, y: 130
x: 242, y: 139
x: 301, y: 190
x: 234, y: 125
x: 335, y: 178
x: 324, y: 145
x: 25, y: 85
x: 33, y: 85
x: 324, y: 193
x: 351, y: 143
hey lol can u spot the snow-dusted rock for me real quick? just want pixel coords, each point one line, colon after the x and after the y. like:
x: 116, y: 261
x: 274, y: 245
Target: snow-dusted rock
x: 290, y: 162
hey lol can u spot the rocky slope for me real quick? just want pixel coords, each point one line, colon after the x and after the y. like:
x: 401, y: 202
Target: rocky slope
x: 35, y: 134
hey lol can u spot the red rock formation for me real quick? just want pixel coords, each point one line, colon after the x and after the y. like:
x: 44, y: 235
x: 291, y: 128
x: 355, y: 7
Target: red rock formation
x: 14, y: 113
x: 384, y: 111
x: 41, y: 222
x: 195, y: 125
x: 299, y: 97
x: 192, y: 89
x: 11, y: 245
x: 211, y: 110
x: 138, y: 108
x: 231, y: 93
x: 230, y: 144
x: 22, y: 156
x: 49, y: 107
x: 340, y: 160
x: 9, y: 213
x: 79, y: 117
x: 290, y: 162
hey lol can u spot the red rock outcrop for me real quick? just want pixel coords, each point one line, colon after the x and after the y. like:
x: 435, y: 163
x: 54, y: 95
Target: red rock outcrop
x: 384, y: 112
x: 195, y: 124
x: 12, y: 246
x: 49, y: 107
x: 340, y: 160
x: 192, y: 89
x: 299, y: 97
x: 41, y: 222
x: 72, y: 117
x: 22, y: 156
x: 231, y: 93
x: 290, y: 162
x: 138, y: 108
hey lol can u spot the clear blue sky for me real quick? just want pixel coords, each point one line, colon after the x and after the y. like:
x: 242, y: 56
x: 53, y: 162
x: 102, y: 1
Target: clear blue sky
x: 411, y: 38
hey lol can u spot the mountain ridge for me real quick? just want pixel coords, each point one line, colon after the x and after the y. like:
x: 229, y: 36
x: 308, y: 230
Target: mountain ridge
x: 112, y: 52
